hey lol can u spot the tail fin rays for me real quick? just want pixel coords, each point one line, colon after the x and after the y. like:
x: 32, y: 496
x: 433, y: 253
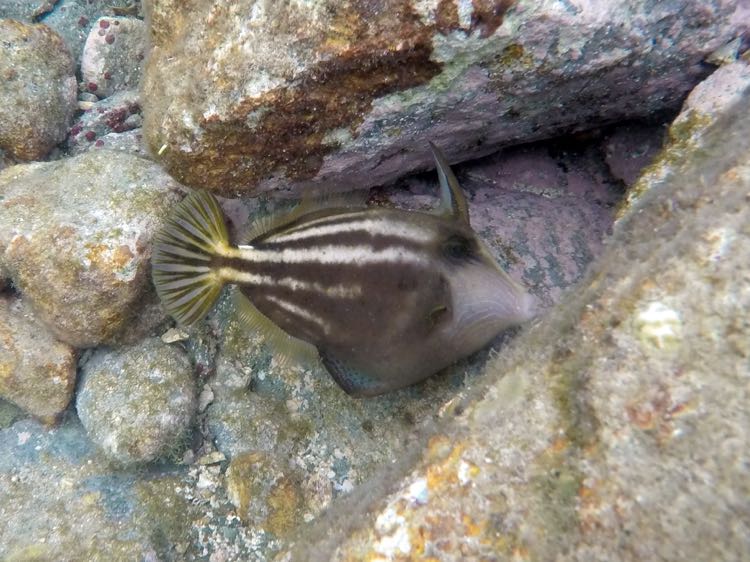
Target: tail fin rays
x: 182, y: 254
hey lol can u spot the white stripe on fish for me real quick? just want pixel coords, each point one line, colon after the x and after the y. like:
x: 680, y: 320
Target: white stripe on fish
x: 300, y: 312
x: 233, y: 275
x: 372, y: 227
x: 332, y: 254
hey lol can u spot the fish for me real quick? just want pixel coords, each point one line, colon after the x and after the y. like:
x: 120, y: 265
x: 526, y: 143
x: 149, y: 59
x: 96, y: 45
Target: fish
x: 383, y: 297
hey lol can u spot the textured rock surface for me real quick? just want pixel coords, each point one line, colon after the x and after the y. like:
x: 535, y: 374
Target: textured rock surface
x: 37, y: 373
x: 263, y: 95
x: 72, y: 19
x: 137, y: 403
x: 113, y: 55
x: 705, y: 104
x: 616, y: 428
x: 37, y: 89
x: 116, y: 114
x: 74, y: 236
x: 630, y: 148
x: 60, y: 500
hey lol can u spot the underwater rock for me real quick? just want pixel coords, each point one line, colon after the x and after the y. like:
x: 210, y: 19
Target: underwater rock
x: 631, y: 147
x: 118, y: 113
x: 264, y: 495
x: 340, y: 95
x: 617, y: 427
x: 129, y: 141
x: 62, y: 500
x: 37, y: 89
x: 71, y: 19
x: 21, y: 10
x: 74, y: 237
x: 703, y: 107
x: 113, y: 55
x: 37, y: 373
x: 137, y: 403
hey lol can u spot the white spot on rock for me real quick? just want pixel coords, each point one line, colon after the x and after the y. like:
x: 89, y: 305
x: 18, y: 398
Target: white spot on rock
x: 659, y: 325
x: 418, y: 492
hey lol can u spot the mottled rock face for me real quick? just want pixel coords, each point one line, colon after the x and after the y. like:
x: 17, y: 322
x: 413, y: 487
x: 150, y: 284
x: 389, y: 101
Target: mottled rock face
x: 37, y: 373
x: 114, y: 115
x: 137, y: 403
x: 257, y: 95
x: 74, y: 237
x: 37, y: 89
x: 113, y: 55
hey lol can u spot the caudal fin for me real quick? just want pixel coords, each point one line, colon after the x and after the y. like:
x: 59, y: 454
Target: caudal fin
x: 183, y: 252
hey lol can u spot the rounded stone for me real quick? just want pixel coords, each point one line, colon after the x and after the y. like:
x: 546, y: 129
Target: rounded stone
x: 137, y: 403
x: 37, y: 89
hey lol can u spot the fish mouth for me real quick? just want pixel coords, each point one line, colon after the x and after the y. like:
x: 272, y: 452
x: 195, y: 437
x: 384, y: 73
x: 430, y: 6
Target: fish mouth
x: 487, y: 301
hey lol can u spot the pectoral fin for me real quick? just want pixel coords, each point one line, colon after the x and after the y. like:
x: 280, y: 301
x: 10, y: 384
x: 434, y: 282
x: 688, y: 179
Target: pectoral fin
x: 354, y: 382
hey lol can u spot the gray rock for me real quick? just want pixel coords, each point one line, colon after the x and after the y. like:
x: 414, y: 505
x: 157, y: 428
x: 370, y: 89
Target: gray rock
x: 37, y: 90
x: 336, y: 95
x: 10, y: 414
x: 113, y: 55
x: 74, y: 237
x: 61, y: 500
x: 617, y: 427
x: 137, y: 403
x: 37, y: 373
x: 21, y: 10
x: 130, y: 142
x: 118, y: 113
x: 71, y: 19
x: 709, y: 101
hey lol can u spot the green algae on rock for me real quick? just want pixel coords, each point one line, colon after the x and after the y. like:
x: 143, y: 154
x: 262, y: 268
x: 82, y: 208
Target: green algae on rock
x: 37, y: 89
x: 74, y: 238
x: 137, y: 403
x: 702, y: 108
x: 37, y: 373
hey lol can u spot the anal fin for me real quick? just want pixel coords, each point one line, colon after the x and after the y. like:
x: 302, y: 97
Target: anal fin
x: 287, y: 348
x: 354, y: 382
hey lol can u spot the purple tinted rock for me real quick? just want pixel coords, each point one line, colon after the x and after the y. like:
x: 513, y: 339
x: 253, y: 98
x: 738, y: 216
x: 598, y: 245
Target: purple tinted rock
x: 630, y: 148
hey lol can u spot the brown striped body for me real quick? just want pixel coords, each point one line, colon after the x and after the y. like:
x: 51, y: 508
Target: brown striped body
x: 373, y: 289
x: 387, y: 297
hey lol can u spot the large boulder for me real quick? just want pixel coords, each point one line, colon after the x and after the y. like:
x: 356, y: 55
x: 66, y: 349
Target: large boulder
x: 616, y: 428
x: 75, y: 238
x: 37, y: 89
x: 261, y: 95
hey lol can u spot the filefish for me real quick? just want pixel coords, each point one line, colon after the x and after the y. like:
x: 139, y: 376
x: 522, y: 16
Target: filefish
x: 384, y: 297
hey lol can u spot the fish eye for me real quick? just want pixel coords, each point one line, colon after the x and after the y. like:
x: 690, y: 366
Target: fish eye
x: 458, y: 247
